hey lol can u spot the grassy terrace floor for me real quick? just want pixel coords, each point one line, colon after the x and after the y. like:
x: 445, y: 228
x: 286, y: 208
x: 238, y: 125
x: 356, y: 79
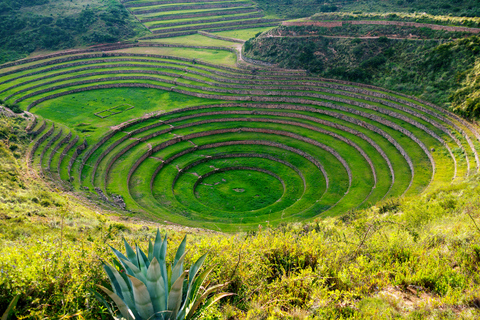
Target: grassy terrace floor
x: 163, y: 131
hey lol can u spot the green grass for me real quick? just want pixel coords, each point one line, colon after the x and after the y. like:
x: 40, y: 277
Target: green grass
x: 196, y: 40
x: 243, y: 34
x: 220, y: 57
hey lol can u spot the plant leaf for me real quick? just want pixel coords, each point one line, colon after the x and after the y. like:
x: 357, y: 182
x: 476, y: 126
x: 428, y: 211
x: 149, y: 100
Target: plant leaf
x: 192, y: 289
x: 135, y: 271
x: 10, y: 307
x: 178, y: 269
x: 180, y: 251
x: 130, y: 253
x: 175, y: 296
x: 143, y: 302
x: 142, y: 260
x: 157, y: 247
x: 122, y: 288
x: 156, y: 286
x: 150, y: 250
x: 124, y: 310
x: 200, y: 299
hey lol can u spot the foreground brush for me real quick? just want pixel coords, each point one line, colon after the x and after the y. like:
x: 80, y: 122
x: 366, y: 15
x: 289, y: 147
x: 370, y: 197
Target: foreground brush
x: 145, y: 288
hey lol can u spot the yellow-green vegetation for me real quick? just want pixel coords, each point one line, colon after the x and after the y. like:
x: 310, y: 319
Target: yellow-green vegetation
x: 413, y: 258
x: 467, y: 99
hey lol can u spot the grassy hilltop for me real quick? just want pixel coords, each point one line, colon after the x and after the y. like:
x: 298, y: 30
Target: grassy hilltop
x: 328, y: 165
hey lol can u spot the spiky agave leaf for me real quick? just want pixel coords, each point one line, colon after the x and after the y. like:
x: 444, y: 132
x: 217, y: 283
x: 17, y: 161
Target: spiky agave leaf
x: 143, y: 301
x: 132, y: 257
x: 177, y: 269
x: 10, y: 307
x: 156, y: 286
x: 124, y: 310
x: 175, y: 296
x: 120, y: 285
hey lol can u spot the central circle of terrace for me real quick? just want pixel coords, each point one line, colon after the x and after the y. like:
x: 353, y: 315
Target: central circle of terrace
x: 239, y: 189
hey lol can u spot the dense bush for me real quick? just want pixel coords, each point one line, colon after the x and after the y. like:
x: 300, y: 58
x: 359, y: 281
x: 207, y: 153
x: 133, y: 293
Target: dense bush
x: 22, y: 32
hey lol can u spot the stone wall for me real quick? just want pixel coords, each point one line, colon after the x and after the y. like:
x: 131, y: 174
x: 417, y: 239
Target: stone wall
x: 220, y: 18
x: 218, y: 37
x: 32, y: 123
x: 237, y: 24
x: 204, y: 14
x: 154, y: 3
x: 74, y: 157
x: 39, y: 142
x: 48, y: 146
x: 39, y: 130
x: 220, y: 170
x: 191, y: 7
x: 57, y: 147
x: 65, y: 151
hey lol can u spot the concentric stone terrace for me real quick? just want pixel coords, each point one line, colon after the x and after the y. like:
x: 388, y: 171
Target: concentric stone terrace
x: 257, y: 146
x: 184, y: 17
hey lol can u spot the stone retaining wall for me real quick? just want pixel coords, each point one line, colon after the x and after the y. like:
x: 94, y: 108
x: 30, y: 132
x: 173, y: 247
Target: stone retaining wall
x: 40, y: 130
x: 115, y: 158
x: 258, y: 130
x: 237, y: 24
x: 154, y: 3
x: 203, y: 14
x: 335, y: 115
x: 65, y: 151
x: 191, y: 7
x: 244, y: 142
x: 48, y: 146
x: 39, y: 142
x: 296, y: 124
x: 57, y: 147
x: 32, y: 123
x: 221, y: 18
x: 238, y: 168
x: 277, y: 99
x: 74, y: 157
x: 228, y: 156
x: 292, y: 115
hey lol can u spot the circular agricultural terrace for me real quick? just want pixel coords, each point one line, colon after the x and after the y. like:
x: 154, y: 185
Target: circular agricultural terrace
x: 267, y: 146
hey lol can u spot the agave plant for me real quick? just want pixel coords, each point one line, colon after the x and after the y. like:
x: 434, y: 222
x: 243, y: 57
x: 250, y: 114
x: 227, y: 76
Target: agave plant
x: 145, y: 288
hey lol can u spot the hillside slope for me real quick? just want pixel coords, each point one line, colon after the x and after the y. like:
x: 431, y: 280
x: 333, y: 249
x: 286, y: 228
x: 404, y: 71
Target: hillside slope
x: 431, y: 68
x: 27, y: 26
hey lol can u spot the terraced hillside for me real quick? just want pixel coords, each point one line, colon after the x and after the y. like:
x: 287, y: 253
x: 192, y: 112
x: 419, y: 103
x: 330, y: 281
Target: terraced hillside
x: 229, y: 147
x: 183, y: 17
